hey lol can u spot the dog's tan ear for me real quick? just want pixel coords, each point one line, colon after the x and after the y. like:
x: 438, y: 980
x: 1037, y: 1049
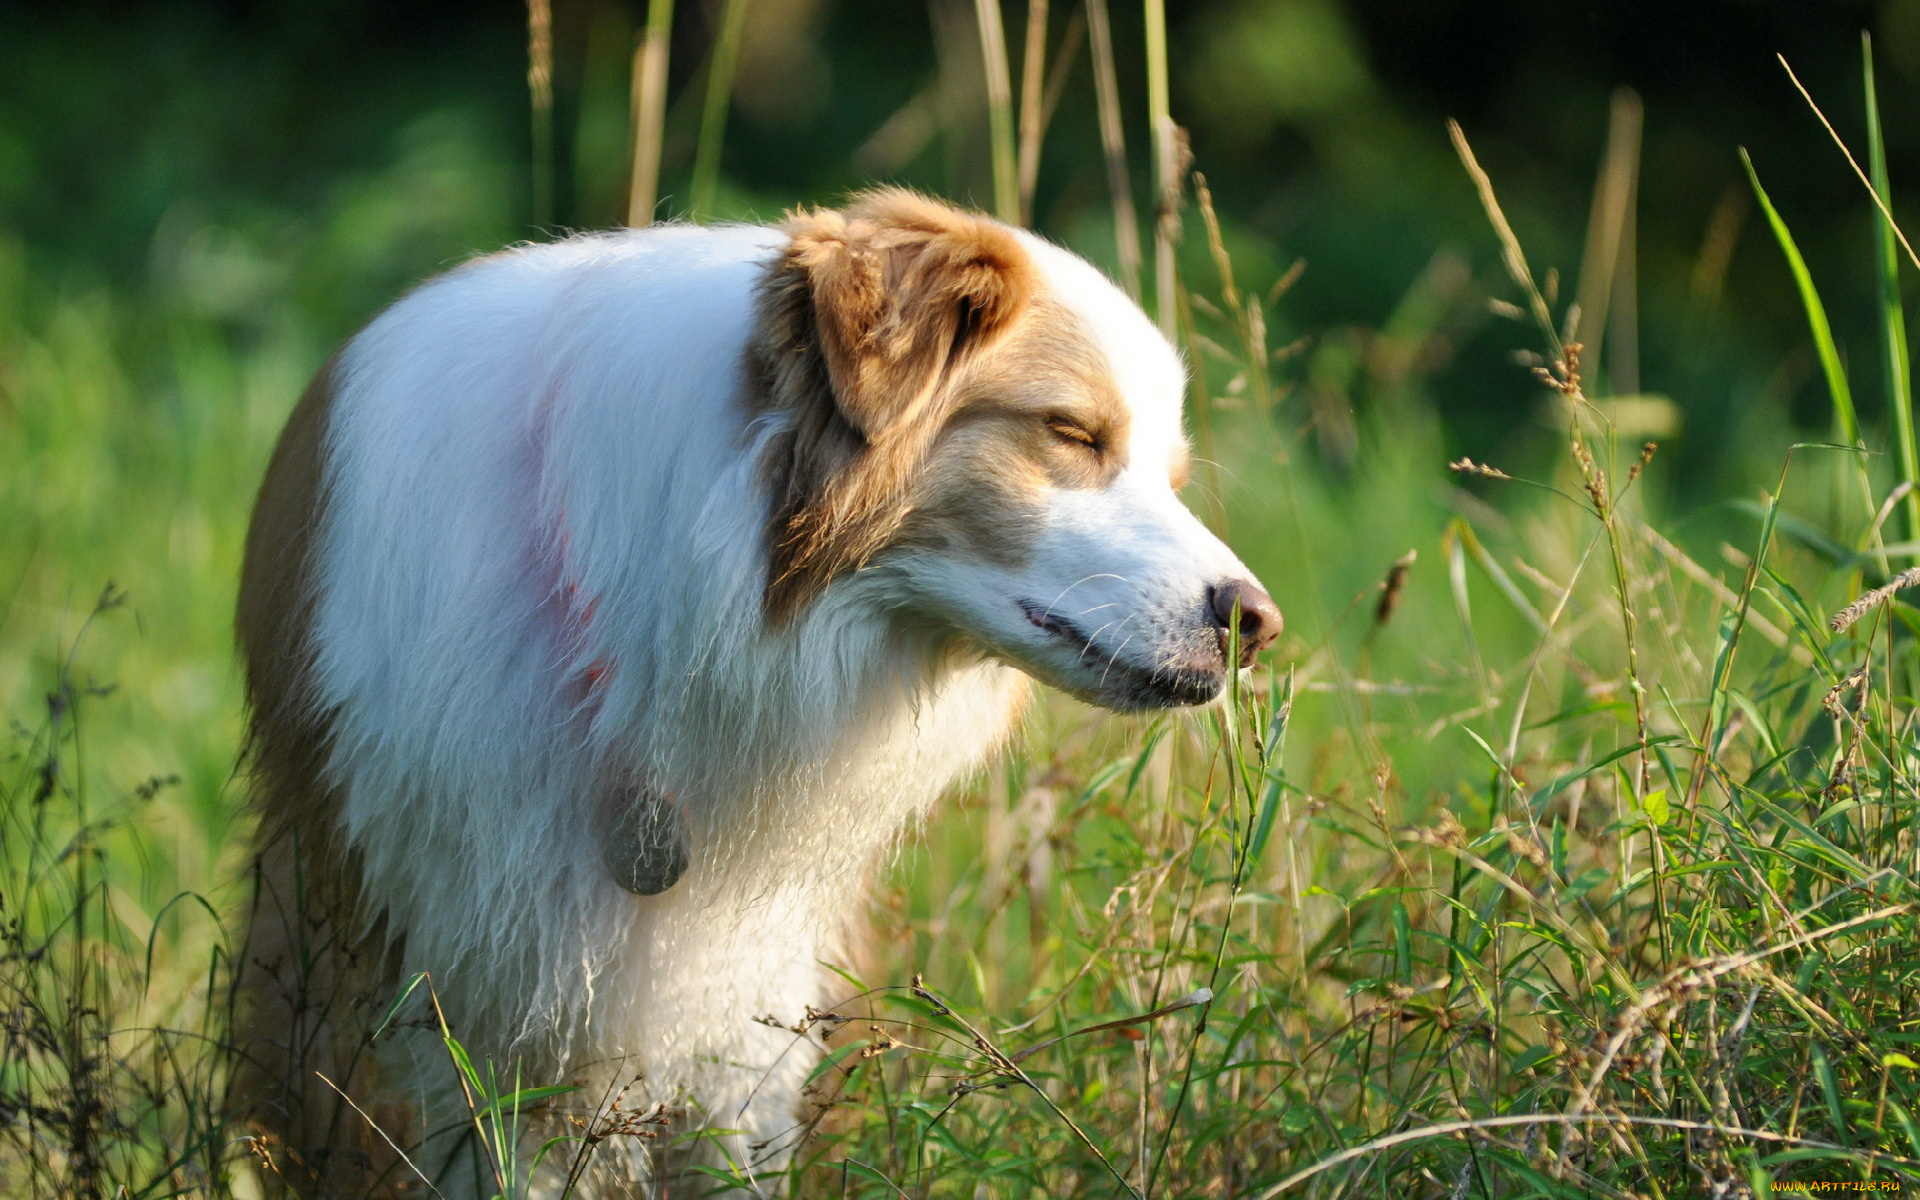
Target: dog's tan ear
x: 860, y: 319
x: 898, y: 287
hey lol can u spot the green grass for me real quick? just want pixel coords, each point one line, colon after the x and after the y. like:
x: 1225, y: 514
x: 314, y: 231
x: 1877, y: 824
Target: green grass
x: 1550, y: 861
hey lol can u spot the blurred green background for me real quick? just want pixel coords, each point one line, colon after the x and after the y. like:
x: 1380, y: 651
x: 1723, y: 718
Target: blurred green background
x: 315, y: 157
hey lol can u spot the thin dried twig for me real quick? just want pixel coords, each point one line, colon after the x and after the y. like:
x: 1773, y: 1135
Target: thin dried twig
x: 1879, y: 203
x: 1449, y: 1128
x: 375, y: 1126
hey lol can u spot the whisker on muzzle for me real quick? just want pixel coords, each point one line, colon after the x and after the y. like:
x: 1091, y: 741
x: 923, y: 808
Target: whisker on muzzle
x: 1084, y: 579
x: 1113, y: 659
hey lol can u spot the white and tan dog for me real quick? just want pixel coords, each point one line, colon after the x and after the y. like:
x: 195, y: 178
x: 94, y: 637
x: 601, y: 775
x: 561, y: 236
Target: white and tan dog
x: 610, y: 606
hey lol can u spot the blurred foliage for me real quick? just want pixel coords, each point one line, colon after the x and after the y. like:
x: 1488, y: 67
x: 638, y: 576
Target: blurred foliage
x: 237, y: 132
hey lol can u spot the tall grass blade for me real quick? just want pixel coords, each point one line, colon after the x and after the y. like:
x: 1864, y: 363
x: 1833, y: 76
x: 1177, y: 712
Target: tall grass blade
x: 649, y: 112
x: 470, y: 1084
x: 1830, y: 1090
x: 1623, y: 359
x: 1113, y: 143
x: 1511, y: 255
x: 1608, y: 249
x: 713, y: 117
x: 1274, y: 769
x: 1721, y: 678
x: 1166, y: 168
x: 540, y: 92
x: 1893, y: 320
x: 1033, y: 98
x: 1843, y: 411
x: 993, y: 53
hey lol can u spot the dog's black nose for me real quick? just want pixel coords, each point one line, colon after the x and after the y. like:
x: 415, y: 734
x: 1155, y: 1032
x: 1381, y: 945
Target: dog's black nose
x: 1260, y: 620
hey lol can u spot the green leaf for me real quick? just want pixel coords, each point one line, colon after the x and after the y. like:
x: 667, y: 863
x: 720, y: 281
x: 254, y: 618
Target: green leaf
x: 1532, y: 1057
x: 1830, y: 1091
x: 1805, y: 532
x: 1147, y: 746
x: 394, y: 1008
x: 1896, y: 1059
x: 1893, y: 320
x: 1561, y: 782
x: 524, y: 1098
x: 1463, y: 531
x: 1906, y: 1123
x: 1722, y: 668
x: 464, y: 1063
x: 1817, y: 324
x: 834, y: 1059
x: 1655, y: 805
x: 1757, y: 721
x: 1780, y: 875
x: 1493, y: 755
x: 1403, y: 941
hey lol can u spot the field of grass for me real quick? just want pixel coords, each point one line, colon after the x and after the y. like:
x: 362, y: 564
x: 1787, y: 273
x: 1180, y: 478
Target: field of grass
x: 1566, y: 847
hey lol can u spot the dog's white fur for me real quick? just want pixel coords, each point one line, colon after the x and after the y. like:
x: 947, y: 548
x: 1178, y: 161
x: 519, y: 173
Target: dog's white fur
x: 540, y: 561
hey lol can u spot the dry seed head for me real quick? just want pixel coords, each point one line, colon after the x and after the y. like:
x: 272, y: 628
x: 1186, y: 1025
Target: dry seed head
x: 1563, y: 373
x: 1391, y: 587
x: 1446, y: 831
x: 1856, y: 681
x: 1523, y: 846
x: 1590, y: 472
x: 1840, y: 787
x: 1466, y: 466
x: 1853, y: 612
x: 1597, y: 486
x: 1646, y: 456
x: 1292, y: 348
x: 881, y: 1042
x: 1284, y: 284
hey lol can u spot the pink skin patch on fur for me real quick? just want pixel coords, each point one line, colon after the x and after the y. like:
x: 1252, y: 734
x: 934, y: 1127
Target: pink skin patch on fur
x: 567, y: 604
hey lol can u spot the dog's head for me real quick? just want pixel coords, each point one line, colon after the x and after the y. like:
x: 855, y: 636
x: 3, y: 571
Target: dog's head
x: 983, y: 425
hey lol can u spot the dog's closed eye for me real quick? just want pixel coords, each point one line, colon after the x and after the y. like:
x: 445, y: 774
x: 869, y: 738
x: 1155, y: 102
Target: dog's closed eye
x: 1069, y: 430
